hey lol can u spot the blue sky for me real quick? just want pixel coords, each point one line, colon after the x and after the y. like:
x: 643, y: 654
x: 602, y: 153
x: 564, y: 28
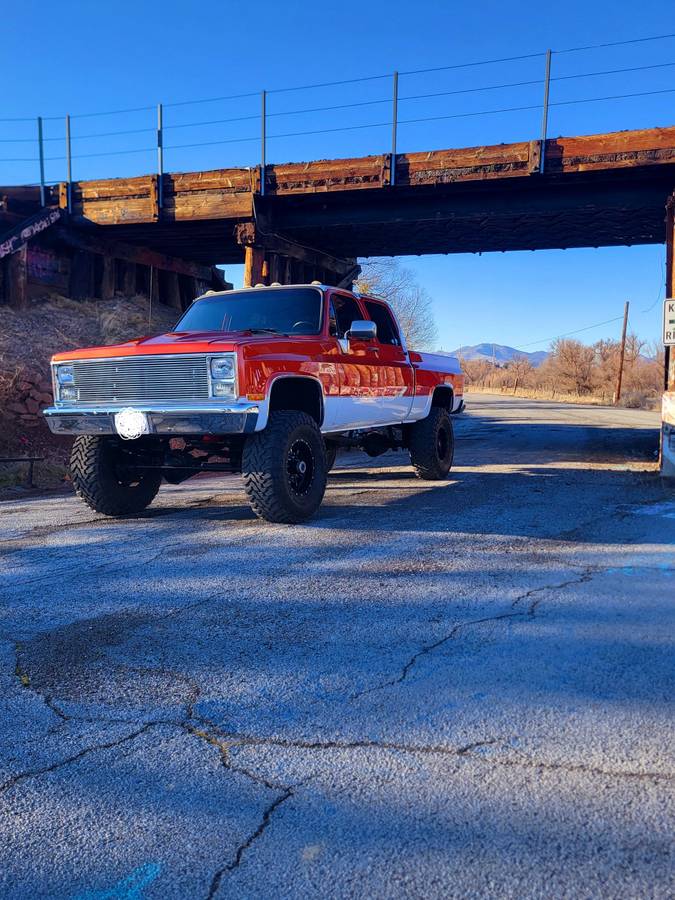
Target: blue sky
x: 107, y: 58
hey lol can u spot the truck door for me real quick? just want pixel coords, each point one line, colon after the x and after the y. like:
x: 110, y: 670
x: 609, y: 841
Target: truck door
x: 357, y: 405
x: 396, y: 382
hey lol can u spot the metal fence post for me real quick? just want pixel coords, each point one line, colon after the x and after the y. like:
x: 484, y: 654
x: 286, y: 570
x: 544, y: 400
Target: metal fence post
x: 41, y: 147
x: 160, y: 158
x: 544, y: 117
x: 394, y: 129
x: 69, y: 167
x: 263, y: 141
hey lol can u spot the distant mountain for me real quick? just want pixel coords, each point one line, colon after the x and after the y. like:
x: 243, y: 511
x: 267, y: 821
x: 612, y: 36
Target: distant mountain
x: 500, y: 353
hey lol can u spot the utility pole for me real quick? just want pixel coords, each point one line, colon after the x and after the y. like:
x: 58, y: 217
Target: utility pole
x: 622, y: 354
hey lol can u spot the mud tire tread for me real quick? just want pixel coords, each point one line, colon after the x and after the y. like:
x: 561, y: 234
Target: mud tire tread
x: 94, y: 483
x: 263, y: 468
x: 423, y: 445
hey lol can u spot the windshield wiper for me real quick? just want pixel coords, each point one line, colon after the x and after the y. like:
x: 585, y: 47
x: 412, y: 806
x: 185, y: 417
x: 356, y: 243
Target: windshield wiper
x: 260, y: 331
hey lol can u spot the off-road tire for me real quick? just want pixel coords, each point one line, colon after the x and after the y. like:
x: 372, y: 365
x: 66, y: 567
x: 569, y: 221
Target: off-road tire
x: 331, y: 453
x: 270, y: 466
x: 432, y: 445
x: 93, y: 469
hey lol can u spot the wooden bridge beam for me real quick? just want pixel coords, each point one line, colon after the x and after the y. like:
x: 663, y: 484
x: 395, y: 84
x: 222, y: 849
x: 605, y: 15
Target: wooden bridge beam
x: 270, y: 257
x: 16, y: 273
x: 254, y: 258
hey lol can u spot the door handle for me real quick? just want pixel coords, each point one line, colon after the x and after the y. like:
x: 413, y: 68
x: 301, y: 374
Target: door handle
x: 373, y: 350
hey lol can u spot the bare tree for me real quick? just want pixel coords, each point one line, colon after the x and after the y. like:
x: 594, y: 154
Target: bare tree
x: 606, y: 366
x: 573, y: 365
x: 412, y: 304
x: 634, y: 348
x: 520, y: 370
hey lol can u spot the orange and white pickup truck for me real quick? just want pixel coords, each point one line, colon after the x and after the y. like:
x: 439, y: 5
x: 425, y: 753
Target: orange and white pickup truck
x: 266, y: 381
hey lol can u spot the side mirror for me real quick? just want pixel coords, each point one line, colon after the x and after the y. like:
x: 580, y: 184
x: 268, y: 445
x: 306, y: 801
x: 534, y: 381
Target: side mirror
x: 362, y: 330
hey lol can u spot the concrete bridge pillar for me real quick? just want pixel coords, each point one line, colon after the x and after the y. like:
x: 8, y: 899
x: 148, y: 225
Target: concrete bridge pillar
x: 668, y: 401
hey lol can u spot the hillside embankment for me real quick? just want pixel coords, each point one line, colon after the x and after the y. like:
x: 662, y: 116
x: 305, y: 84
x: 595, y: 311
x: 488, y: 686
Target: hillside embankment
x: 28, y: 339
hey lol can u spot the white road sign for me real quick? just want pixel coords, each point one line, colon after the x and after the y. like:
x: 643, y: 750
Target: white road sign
x: 669, y: 321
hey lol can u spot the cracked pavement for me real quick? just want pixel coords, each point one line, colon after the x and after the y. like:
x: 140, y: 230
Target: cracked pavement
x: 446, y: 689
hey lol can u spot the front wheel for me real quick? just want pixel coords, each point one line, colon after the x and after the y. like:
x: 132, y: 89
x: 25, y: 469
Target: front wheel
x: 284, y: 468
x: 103, y: 480
x: 432, y: 445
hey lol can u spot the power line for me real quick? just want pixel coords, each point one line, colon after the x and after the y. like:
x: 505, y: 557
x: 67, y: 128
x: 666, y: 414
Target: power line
x: 322, y: 84
x: 108, y: 112
x: 612, y: 97
x: 467, y: 115
x: 334, y: 107
x: 568, y: 333
x: 656, y: 37
x: 212, y: 122
x: 271, y: 115
x: 468, y: 65
x: 489, y: 112
x: 286, y: 135
x: 212, y: 143
x: 213, y: 99
x: 490, y: 87
x: 415, y: 121
x: 613, y: 71
x: 662, y: 286
x: 295, y: 112
x: 99, y: 134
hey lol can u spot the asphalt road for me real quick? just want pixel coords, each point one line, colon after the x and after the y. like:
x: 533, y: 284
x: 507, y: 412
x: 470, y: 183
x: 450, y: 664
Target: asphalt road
x: 457, y: 689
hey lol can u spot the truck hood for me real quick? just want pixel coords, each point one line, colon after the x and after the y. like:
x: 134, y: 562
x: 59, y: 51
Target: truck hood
x: 172, y: 342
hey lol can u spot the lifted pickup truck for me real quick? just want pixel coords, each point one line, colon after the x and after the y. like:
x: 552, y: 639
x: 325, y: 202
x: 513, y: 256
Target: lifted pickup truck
x: 266, y: 381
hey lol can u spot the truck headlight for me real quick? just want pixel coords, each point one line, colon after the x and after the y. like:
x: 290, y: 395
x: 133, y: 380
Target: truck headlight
x: 223, y: 376
x: 222, y: 368
x: 65, y: 374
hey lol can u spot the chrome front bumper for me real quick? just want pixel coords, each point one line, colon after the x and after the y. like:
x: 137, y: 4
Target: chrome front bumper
x: 235, y: 418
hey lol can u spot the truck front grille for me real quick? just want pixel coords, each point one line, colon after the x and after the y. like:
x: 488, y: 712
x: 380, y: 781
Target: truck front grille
x: 142, y: 379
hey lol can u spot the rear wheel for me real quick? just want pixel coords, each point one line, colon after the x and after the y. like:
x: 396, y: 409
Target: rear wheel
x: 432, y: 445
x: 284, y: 468
x: 104, y: 480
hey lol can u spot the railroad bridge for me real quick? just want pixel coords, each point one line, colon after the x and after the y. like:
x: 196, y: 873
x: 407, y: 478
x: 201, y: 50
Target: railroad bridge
x: 163, y: 235
x: 298, y: 221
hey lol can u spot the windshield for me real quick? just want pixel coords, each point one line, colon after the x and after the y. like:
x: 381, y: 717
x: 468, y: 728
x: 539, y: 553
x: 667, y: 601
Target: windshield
x: 274, y: 310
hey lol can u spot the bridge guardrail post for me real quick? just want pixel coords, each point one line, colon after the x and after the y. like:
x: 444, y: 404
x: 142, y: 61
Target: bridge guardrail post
x: 394, y: 128
x: 69, y: 168
x: 160, y: 157
x: 544, y: 116
x: 41, y: 148
x: 263, y: 141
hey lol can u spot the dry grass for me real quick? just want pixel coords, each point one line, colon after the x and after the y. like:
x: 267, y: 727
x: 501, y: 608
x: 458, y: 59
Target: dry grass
x: 29, y: 338
x: 586, y: 399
